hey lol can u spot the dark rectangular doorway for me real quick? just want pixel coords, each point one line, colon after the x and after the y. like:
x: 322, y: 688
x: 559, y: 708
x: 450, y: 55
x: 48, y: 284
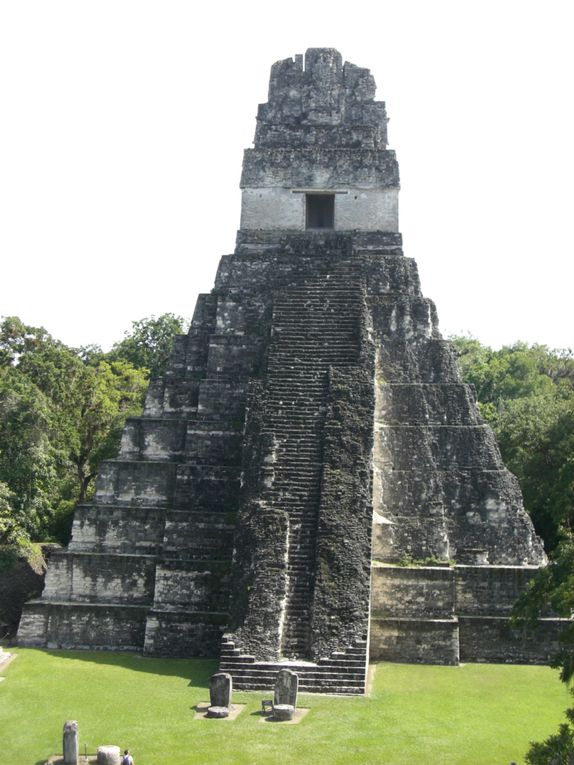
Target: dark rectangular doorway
x: 320, y: 211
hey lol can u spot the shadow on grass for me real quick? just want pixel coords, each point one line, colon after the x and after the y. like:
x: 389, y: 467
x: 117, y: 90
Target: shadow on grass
x: 198, y: 671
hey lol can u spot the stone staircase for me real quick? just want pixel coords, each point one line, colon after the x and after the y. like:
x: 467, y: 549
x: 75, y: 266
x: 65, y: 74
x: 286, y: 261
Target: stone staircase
x: 316, y: 325
x: 344, y: 672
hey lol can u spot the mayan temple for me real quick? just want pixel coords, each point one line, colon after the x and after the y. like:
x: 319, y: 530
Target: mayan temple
x: 311, y: 436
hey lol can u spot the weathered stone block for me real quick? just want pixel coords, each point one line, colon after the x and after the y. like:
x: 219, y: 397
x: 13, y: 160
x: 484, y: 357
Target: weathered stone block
x: 431, y: 404
x: 220, y: 689
x: 478, y: 508
x: 207, y: 487
x: 217, y: 712
x: 191, y: 585
x: 413, y: 592
x: 496, y: 639
x: 135, y: 483
x: 115, y: 529
x: 198, y: 536
x: 183, y: 633
x: 417, y: 641
x: 181, y: 396
x: 436, y: 447
x: 108, y: 755
x: 283, y: 712
x: 286, y: 689
x: 217, y: 398
x: 80, y: 625
x: 91, y: 577
x: 212, y: 444
x: 71, y: 743
x: 319, y: 168
x: 490, y: 590
x: 232, y: 356
x: 153, y: 439
x: 416, y: 360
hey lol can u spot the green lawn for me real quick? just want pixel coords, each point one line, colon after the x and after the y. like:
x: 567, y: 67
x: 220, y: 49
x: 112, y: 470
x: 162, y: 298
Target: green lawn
x: 469, y: 715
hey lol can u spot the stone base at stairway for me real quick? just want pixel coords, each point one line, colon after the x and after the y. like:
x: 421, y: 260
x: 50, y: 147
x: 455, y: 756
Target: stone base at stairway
x: 344, y: 672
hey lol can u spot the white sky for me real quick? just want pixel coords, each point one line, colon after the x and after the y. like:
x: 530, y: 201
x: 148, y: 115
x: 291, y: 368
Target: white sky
x: 123, y: 122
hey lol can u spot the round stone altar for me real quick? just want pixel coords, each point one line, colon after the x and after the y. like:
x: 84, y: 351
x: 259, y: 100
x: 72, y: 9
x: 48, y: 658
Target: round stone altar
x: 218, y: 712
x: 108, y: 755
x: 283, y: 712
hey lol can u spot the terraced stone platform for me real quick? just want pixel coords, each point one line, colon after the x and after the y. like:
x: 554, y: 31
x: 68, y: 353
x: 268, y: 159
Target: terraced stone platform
x: 311, y: 434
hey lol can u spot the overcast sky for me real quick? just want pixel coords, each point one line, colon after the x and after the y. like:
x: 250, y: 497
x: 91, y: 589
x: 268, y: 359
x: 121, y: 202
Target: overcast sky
x: 123, y: 122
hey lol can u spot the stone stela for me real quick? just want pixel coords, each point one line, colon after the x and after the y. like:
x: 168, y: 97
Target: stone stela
x: 220, y: 692
x: 71, y: 743
x: 311, y: 432
x: 285, y: 696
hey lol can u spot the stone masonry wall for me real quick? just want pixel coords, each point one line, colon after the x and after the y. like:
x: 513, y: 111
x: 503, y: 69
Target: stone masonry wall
x: 312, y: 395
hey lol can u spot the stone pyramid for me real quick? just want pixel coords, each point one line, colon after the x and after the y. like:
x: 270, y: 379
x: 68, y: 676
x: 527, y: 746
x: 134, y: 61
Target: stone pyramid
x: 311, y: 436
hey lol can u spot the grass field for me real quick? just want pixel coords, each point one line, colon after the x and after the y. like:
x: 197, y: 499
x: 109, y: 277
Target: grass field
x: 468, y: 715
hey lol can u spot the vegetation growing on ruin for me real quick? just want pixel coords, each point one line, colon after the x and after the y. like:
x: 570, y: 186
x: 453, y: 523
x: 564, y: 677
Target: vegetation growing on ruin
x: 479, y: 714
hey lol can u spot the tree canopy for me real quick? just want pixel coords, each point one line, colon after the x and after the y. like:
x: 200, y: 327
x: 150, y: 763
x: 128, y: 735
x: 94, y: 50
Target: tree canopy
x: 62, y: 411
x: 526, y: 393
x: 148, y: 345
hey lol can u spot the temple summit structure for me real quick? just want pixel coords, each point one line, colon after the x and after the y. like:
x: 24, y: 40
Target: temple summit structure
x: 311, y: 482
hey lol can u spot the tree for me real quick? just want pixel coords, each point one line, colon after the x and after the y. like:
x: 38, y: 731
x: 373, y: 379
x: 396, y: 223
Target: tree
x: 558, y: 749
x: 98, y: 403
x: 12, y: 534
x: 536, y: 437
x: 61, y: 412
x: 29, y: 457
x: 149, y: 344
x: 527, y: 395
x: 554, y: 586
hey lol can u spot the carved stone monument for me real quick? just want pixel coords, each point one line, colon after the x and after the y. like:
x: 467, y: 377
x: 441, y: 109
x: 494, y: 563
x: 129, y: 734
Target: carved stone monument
x: 71, y: 743
x: 285, y: 696
x: 108, y: 755
x: 286, y: 688
x: 220, y: 692
x: 312, y: 431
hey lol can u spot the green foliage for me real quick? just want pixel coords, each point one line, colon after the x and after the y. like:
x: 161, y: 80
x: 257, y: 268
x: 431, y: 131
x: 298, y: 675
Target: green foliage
x: 553, y: 587
x: 61, y: 412
x: 28, y: 455
x: 557, y: 749
x: 527, y: 394
x: 148, y: 345
x: 13, y: 535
